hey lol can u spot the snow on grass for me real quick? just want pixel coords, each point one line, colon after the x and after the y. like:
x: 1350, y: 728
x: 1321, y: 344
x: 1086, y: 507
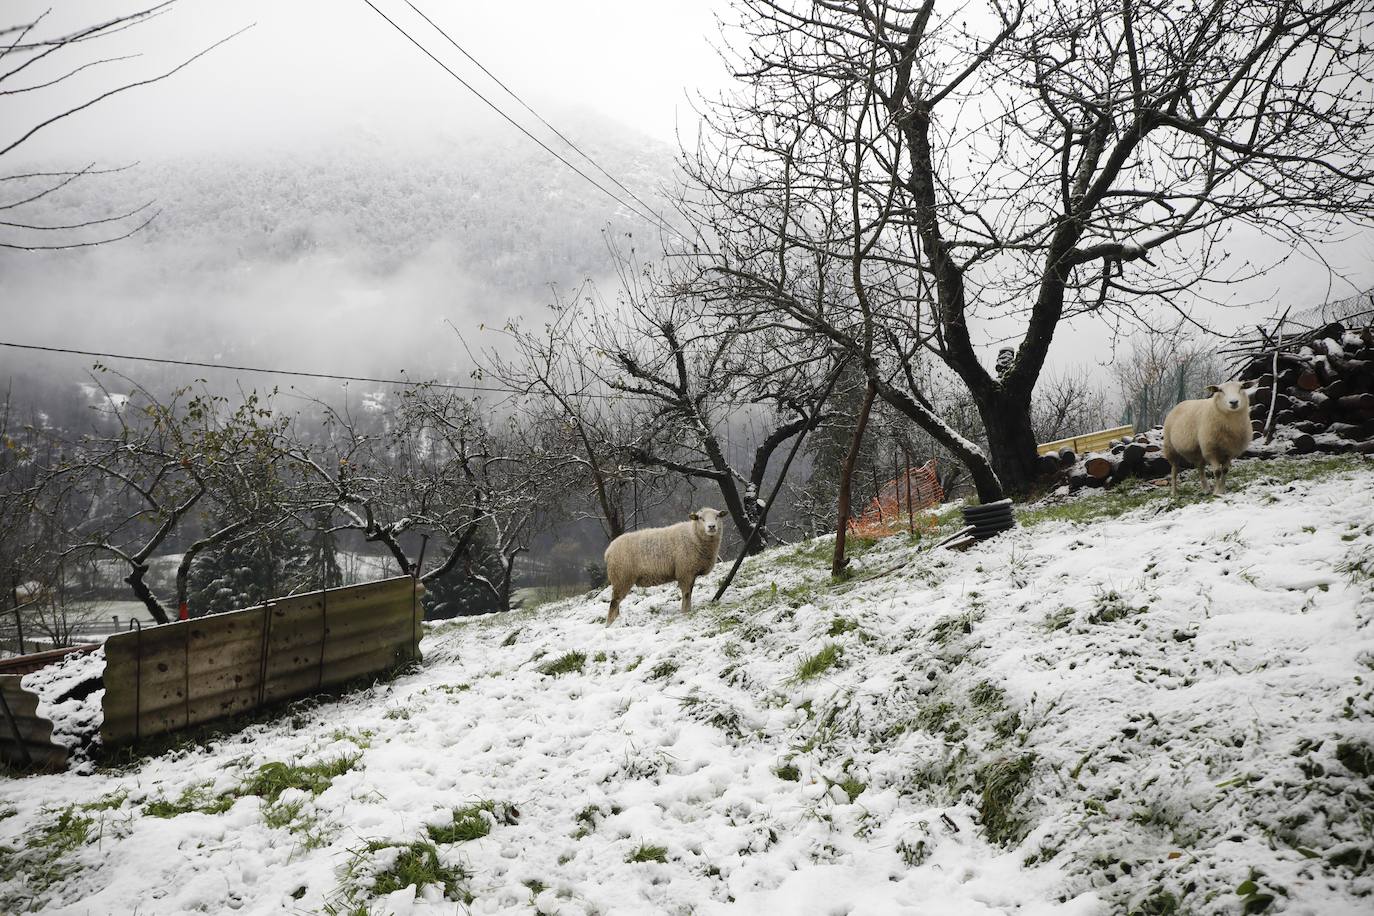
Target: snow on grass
x: 1162, y: 709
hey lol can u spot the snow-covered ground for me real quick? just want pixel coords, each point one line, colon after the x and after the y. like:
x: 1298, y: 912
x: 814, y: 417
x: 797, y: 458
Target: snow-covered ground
x: 1167, y: 711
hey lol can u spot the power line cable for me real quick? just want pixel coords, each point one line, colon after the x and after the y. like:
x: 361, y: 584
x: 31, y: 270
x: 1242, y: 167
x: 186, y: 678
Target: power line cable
x: 558, y: 133
x: 299, y: 373
x: 520, y: 127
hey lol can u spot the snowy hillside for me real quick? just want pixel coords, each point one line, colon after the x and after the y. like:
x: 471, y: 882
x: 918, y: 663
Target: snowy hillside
x: 1127, y: 706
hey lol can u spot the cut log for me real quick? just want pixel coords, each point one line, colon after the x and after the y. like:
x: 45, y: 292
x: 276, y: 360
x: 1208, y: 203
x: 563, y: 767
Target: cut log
x: 1067, y: 458
x: 1308, y: 380
x: 1334, y: 330
x: 1355, y: 432
x: 1099, y: 466
x: 1304, y: 444
x: 1155, y: 466
x: 1359, y: 406
x: 1336, y: 388
x: 1133, y: 454
x: 1047, y: 465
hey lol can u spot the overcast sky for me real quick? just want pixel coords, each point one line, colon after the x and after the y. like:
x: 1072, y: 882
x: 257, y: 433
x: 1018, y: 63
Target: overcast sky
x: 310, y: 68
x: 311, y: 73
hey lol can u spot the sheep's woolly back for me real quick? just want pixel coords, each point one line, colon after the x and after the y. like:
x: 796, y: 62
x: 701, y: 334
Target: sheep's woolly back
x: 1198, y: 430
x: 658, y: 555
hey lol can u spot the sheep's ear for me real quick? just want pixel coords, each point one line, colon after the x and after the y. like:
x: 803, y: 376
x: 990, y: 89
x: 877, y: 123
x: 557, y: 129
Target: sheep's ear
x: 1212, y: 389
x: 694, y: 517
x: 1250, y: 385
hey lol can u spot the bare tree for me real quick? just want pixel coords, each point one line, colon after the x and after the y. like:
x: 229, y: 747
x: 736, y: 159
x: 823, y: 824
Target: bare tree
x: 136, y: 480
x: 692, y: 374
x: 1036, y: 160
x: 34, y: 63
x: 1067, y: 403
x: 1161, y: 368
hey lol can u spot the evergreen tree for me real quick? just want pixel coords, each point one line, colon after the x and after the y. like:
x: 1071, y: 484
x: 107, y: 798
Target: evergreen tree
x: 252, y: 570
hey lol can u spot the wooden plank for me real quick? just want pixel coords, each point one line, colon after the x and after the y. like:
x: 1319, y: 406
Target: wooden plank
x: 1088, y: 442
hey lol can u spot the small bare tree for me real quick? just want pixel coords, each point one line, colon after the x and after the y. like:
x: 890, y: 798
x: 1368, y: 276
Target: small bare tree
x: 34, y: 63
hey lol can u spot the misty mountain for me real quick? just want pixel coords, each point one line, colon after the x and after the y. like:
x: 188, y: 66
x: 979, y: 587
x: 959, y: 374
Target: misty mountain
x: 361, y: 248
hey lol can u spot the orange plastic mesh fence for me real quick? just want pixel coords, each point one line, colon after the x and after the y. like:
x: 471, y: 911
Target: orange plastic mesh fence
x: 901, y: 503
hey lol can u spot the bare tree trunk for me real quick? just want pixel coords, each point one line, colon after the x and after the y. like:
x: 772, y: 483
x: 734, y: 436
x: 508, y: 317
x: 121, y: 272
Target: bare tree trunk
x: 145, y: 594
x: 846, y: 481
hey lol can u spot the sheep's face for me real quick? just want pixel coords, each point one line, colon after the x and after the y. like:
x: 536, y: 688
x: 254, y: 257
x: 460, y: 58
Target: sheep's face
x: 1231, y: 397
x: 708, y: 521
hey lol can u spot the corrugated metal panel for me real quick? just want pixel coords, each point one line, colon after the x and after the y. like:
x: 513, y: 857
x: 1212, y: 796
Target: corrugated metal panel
x: 33, y: 744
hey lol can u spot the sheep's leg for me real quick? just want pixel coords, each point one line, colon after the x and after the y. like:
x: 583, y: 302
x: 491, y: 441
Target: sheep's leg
x: 686, y: 587
x: 1173, y: 479
x: 1202, y: 482
x: 1220, y: 473
x: 617, y: 594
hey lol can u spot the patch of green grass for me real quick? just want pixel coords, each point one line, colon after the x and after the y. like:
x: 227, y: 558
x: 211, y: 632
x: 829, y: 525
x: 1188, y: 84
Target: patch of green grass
x: 942, y: 718
x: 714, y: 712
x: 198, y: 799
x: 473, y: 822
x: 841, y: 625
x: 46, y: 859
x: 510, y: 639
x: 1358, y: 567
x: 398, y: 712
x: 599, y: 657
x: 107, y: 802
x: 647, y: 853
x: 1000, y: 785
x: 418, y: 863
x: 272, y: 779
x: 788, y: 772
x: 1110, y: 606
x: 362, y: 737
x: 852, y: 786
x: 947, y: 629
x: 913, y: 853
x: 567, y: 663
x: 586, y: 820
x: 1118, y: 500
x: 1287, y: 470
x: 816, y: 665
x: 662, y: 671
x: 1058, y: 620
x: 988, y: 696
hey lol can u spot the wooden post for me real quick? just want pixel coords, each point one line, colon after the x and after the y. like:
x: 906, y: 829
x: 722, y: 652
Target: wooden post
x: 910, y: 505
x: 837, y: 565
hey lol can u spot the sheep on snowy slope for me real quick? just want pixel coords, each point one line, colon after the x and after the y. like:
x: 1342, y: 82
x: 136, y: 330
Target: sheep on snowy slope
x: 678, y: 553
x: 1208, y: 433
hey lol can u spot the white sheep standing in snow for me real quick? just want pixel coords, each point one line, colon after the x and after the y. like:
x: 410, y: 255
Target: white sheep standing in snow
x: 1208, y: 433
x: 678, y: 553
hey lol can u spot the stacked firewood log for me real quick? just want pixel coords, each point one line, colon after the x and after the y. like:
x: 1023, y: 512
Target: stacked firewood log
x: 1141, y: 455
x: 1315, y: 394
x: 1316, y: 388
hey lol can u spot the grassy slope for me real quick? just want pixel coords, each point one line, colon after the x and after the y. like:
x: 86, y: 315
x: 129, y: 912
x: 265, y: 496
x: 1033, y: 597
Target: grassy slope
x: 1139, y: 706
